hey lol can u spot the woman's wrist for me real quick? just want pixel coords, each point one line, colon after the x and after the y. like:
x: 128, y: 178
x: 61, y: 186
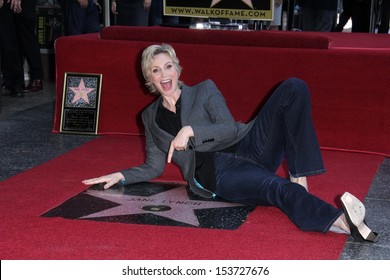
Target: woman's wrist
x: 121, y: 178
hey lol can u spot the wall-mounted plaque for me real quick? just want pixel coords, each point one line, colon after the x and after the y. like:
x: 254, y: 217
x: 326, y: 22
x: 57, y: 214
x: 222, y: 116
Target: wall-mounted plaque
x: 80, y: 103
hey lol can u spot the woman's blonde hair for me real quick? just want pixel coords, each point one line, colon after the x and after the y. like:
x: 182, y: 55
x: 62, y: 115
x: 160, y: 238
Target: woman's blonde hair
x: 147, y: 58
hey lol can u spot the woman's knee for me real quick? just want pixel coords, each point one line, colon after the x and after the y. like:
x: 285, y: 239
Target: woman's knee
x: 295, y: 90
x: 297, y: 85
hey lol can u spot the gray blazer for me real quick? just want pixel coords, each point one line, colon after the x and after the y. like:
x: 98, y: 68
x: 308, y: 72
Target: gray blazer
x: 204, y: 109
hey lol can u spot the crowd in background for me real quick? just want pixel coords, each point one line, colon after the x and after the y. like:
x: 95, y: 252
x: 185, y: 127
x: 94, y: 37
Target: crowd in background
x: 19, y: 46
x: 314, y: 15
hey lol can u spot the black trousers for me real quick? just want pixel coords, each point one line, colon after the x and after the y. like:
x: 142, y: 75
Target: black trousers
x: 18, y: 41
x: 80, y: 20
x: 385, y: 17
x: 132, y: 13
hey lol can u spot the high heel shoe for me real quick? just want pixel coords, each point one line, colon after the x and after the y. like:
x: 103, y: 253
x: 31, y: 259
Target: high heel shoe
x: 355, y: 213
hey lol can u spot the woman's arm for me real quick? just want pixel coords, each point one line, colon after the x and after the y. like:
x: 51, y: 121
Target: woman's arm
x: 152, y: 168
x: 180, y: 142
x: 154, y: 162
x: 109, y: 180
x: 212, y: 123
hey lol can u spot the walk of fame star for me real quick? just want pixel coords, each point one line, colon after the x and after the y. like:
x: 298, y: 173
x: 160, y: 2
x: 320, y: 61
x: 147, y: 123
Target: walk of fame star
x: 81, y: 92
x: 248, y: 2
x: 180, y: 208
x: 152, y: 203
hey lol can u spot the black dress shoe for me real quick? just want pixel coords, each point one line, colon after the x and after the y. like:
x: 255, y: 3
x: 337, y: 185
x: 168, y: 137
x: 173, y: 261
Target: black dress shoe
x: 34, y: 86
x: 5, y: 89
x: 355, y: 213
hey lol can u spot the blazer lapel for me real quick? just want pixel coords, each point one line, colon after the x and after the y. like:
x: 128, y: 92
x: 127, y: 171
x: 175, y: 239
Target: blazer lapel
x: 161, y: 138
x: 187, y: 99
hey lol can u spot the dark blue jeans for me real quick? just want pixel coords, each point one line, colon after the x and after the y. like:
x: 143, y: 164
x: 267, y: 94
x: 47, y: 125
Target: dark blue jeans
x: 80, y: 20
x: 282, y: 130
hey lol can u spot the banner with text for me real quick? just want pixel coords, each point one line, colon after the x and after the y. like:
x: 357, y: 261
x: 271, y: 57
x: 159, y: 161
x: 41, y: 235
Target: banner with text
x: 232, y: 9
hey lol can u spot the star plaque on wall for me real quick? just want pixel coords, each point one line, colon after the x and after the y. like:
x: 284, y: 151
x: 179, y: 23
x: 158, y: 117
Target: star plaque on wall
x: 80, y: 103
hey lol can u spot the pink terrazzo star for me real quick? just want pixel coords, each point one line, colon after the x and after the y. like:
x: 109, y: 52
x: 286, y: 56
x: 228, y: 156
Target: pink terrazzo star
x: 81, y: 92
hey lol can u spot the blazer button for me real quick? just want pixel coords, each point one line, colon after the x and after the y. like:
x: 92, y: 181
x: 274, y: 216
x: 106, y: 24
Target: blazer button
x: 190, y: 147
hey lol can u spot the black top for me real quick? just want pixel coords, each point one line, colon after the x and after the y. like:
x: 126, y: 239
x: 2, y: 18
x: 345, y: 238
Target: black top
x: 171, y: 123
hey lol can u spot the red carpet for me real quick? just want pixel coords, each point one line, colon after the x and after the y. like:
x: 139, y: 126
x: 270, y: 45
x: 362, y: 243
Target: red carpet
x: 266, y: 234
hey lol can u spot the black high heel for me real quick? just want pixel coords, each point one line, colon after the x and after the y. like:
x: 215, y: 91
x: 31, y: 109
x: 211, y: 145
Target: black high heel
x: 355, y: 213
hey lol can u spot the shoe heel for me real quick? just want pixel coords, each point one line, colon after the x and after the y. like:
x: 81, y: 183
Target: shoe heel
x: 354, y: 211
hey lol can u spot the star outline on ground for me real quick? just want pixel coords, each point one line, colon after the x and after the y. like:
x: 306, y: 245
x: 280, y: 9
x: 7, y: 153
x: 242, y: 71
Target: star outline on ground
x: 182, y: 209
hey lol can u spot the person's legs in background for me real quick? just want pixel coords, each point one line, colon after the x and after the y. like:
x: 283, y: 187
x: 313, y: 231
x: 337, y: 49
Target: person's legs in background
x: 11, y: 59
x: 132, y: 13
x: 80, y: 20
x: 25, y: 25
x: 385, y: 17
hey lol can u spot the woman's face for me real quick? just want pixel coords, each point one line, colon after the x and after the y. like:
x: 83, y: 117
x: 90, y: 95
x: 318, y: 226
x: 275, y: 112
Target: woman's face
x: 164, y: 75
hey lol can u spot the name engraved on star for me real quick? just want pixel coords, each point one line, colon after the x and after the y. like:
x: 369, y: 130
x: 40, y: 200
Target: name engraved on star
x: 198, y: 203
x: 141, y: 199
x: 177, y: 202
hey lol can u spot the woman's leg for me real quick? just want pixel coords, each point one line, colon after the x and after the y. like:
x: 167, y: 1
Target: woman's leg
x: 284, y: 130
x: 242, y: 181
